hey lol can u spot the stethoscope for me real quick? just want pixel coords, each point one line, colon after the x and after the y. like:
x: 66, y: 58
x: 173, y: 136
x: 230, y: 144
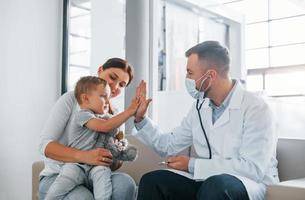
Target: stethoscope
x: 198, y: 107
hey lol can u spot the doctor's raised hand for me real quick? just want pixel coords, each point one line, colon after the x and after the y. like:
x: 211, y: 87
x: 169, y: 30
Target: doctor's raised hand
x: 141, y: 93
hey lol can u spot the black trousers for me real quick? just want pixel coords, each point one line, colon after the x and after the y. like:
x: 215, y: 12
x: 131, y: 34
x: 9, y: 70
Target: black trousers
x: 166, y: 185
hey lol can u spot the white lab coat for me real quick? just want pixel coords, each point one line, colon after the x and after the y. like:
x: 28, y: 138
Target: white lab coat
x: 242, y: 140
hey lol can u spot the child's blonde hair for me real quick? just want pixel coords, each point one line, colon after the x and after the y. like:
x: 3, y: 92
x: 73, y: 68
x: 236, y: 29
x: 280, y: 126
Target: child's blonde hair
x: 87, y: 84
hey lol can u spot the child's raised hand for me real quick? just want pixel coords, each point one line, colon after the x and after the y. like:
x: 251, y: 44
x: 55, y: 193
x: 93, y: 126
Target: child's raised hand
x: 134, y: 105
x: 144, y: 102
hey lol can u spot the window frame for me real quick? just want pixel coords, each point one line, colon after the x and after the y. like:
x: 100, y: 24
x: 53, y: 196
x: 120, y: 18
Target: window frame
x: 65, y: 47
x: 66, y: 34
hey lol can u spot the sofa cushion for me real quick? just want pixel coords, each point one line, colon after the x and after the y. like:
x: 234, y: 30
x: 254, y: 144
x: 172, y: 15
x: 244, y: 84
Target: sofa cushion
x: 292, y: 190
x: 290, y: 154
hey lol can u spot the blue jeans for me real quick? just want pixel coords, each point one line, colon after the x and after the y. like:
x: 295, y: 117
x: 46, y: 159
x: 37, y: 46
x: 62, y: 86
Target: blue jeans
x: 123, y: 188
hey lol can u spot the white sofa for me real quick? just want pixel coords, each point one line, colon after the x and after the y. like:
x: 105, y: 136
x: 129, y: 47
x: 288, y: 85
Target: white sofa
x: 291, y: 158
x: 290, y: 154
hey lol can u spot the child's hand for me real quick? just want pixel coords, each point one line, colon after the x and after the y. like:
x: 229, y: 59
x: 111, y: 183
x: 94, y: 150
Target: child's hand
x: 132, y: 109
x: 144, y: 102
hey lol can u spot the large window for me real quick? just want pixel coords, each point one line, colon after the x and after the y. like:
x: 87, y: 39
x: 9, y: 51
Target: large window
x: 275, y: 61
x: 93, y: 31
x: 182, y: 27
x: 79, y: 45
x: 275, y: 45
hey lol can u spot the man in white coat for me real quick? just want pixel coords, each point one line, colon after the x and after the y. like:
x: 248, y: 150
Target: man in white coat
x: 230, y: 129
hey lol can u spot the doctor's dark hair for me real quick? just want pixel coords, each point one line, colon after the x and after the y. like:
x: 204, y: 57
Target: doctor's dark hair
x: 215, y: 54
x: 87, y: 84
x: 120, y: 64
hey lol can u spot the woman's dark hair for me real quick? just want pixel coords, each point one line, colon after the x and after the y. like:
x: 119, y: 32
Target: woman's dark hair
x: 120, y: 64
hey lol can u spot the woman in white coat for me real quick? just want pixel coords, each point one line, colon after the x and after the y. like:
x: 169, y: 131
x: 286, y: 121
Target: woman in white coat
x: 235, y: 142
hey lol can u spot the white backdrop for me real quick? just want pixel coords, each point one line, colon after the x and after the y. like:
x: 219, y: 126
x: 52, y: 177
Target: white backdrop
x: 29, y: 84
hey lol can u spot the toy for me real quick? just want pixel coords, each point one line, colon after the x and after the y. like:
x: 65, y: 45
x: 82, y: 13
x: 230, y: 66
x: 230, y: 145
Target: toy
x: 115, y: 142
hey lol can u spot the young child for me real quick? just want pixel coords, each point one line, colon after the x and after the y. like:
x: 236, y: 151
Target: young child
x: 92, y: 127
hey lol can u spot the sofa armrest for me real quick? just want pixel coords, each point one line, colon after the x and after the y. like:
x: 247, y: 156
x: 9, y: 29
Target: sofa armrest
x: 37, y: 167
x: 292, y: 190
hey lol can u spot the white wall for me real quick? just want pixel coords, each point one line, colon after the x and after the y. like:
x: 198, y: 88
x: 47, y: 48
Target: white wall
x: 171, y: 108
x: 107, y: 36
x: 30, y: 33
x: 107, y: 31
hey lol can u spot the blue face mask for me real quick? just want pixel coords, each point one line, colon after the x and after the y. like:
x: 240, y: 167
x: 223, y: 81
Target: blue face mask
x: 190, y: 85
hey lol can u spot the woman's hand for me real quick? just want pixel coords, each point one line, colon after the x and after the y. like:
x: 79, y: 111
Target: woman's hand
x: 98, y: 156
x: 179, y: 162
x: 144, y: 103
